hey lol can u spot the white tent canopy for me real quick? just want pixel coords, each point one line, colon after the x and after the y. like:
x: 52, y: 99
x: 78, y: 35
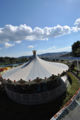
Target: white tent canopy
x: 35, y: 68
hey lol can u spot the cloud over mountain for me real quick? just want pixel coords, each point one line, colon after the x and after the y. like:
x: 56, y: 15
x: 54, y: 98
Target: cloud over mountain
x: 16, y: 34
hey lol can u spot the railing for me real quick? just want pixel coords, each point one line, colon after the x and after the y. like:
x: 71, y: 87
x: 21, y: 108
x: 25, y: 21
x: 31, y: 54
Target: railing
x: 70, y: 105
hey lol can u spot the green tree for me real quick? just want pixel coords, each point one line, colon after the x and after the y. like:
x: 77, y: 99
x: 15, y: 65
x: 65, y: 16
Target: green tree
x: 76, y: 49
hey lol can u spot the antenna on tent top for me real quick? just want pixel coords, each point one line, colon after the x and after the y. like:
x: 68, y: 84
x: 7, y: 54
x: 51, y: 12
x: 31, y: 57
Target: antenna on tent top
x: 34, y: 53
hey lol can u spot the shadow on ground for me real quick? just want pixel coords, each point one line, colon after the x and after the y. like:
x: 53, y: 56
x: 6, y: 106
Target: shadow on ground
x: 12, y: 111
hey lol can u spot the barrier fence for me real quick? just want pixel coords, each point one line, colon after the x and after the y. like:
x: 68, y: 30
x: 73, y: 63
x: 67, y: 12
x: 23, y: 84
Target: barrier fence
x: 70, y: 105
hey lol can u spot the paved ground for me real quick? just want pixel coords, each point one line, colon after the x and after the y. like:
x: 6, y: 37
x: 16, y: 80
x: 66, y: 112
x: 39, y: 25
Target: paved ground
x: 73, y: 115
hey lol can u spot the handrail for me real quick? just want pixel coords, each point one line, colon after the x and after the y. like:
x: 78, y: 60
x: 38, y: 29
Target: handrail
x: 65, y: 106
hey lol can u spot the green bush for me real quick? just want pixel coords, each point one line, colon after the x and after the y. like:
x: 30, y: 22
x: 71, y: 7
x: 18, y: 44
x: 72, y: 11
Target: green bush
x: 72, y: 88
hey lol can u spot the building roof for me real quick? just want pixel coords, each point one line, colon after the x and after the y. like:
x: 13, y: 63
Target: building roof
x: 34, y: 68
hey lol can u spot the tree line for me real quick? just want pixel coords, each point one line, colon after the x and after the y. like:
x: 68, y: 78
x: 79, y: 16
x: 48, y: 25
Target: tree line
x: 12, y: 60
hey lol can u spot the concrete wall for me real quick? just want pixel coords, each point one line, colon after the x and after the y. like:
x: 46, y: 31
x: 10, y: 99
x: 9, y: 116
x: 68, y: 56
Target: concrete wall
x: 36, y: 98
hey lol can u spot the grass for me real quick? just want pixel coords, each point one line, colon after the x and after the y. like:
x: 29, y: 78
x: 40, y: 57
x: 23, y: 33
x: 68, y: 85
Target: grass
x: 79, y: 75
x: 71, y: 90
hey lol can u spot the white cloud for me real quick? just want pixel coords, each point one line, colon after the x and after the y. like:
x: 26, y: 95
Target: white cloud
x: 54, y: 49
x: 30, y: 46
x: 10, y: 33
x: 64, y: 49
x: 76, y: 28
x: 50, y: 49
x: 18, y: 42
x: 24, y: 32
x: 7, y: 45
x: 77, y: 22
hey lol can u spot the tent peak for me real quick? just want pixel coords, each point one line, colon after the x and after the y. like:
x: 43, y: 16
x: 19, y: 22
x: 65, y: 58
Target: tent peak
x: 34, y: 53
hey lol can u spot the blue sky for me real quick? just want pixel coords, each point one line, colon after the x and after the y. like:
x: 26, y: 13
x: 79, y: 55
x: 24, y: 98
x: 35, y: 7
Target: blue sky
x: 44, y: 25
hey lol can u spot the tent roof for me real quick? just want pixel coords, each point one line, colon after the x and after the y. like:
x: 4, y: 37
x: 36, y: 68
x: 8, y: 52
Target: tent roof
x: 36, y: 67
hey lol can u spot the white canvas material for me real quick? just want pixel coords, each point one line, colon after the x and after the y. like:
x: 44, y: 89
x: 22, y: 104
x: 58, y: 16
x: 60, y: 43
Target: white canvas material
x: 35, y: 68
